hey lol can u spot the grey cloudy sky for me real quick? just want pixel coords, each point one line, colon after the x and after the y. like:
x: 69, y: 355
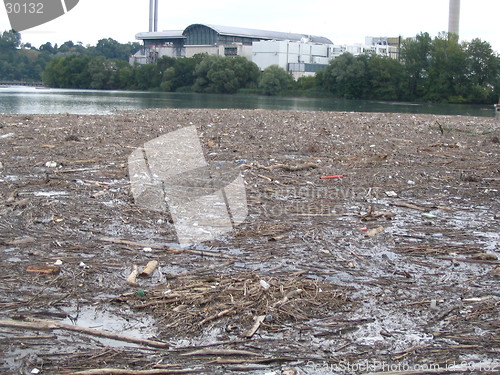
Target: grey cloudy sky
x: 343, y: 21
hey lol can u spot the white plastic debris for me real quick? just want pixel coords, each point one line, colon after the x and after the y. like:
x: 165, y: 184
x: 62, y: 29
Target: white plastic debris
x: 147, y: 249
x: 433, y: 304
x: 264, y: 284
x: 410, y: 182
x: 8, y: 135
x: 391, y: 194
x: 51, y: 164
x: 58, y: 262
x: 35, y: 371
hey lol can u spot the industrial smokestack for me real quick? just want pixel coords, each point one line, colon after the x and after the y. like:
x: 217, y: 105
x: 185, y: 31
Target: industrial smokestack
x: 454, y: 17
x: 155, y: 28
x: 151, y: 14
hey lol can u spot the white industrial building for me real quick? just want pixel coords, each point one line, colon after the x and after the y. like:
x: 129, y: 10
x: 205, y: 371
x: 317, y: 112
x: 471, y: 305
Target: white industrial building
x: 298, y: 54
x: 211, y: 39
x: 304, y: 58
x: 297, y: 57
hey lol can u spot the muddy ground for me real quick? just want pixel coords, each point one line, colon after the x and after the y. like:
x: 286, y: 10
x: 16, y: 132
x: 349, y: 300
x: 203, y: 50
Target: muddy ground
x: 390, y: 266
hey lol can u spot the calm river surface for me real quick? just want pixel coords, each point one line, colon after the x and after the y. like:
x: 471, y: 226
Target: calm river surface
x: 41, y: 100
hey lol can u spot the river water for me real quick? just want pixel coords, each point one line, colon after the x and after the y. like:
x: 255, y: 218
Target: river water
x: 43, y: 100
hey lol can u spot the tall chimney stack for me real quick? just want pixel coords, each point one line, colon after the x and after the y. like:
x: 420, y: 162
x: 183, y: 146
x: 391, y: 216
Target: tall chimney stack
x: 155, y: 25
x: 153, y: 15
x: 454, y: 17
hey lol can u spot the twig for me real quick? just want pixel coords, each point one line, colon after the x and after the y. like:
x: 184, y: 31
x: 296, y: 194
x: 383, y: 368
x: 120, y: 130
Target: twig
x: 257, y: 360
x: 410, y: 205
x: 469, y: 260
x: 207, y: 253
x: 441, y: 129
x: 216, y: 316
x: 38, y: 337
x: 258, y: 321
x: 162, y: 247
x: 219, y: 352
x: 117, y: 371
x: 291, y: 168
x: 131, y: 243
x: 288, y: 296
x: 47, y: 325
x: 229, y: 342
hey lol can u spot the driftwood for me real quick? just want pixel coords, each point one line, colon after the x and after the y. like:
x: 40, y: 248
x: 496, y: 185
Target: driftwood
x: 410, y: 205
x: 290, y: 168
x: 45, y: 269
x: 132, y: 278
x: 372, y: 215
x: 47, y: 325
x: 374, y: 231
x: 149, y: 269
x: 219, y: 352
x: 131, y: 243
x: 117, y: 371
x: 162, y: 247
x: 258, y: 321
x: 218, y: 315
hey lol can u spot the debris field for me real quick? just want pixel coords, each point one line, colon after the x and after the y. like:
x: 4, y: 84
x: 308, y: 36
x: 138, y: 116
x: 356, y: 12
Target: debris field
x: 371, y: 245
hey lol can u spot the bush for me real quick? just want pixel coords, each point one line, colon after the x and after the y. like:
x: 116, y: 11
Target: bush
x: 274, y: 80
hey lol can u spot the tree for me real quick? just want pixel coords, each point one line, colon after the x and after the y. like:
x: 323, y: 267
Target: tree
x: 112, y: 49
x: 47, y: 47
x: 446, y: 70
x: 307, y: 82
x: 274, y: 80
x: 415, y: 54
x: 386, y: 77
x: 102, y: 72
x: 347, y: 76
x: 68, y: 72
x: 217, y: 74
x: 483, y: 72
x: 9, y: 40
x: 184, y: 73
x: 146, y: 77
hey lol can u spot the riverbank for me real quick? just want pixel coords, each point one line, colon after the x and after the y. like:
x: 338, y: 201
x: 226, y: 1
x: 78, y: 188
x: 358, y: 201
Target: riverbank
x: 393, y: 260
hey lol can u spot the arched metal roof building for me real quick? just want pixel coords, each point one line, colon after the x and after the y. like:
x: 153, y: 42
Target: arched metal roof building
x: 216, y: 40
x: 204, y: 34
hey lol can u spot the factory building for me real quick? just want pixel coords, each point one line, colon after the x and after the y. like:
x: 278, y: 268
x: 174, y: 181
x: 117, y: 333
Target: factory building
x: 299, y: 58
x: 211, y: 39
x: 299, y: 54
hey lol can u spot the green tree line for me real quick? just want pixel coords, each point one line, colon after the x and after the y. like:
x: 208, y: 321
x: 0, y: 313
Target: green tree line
x: 438, y: 69
x: 24, y: 62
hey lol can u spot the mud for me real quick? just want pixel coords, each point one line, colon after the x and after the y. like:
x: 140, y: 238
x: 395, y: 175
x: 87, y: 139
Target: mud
x: 419, y: 293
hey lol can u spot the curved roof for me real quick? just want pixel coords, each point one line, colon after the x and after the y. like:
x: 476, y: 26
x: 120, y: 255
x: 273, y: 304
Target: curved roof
x: 166, y: 34
x: 262, y: 34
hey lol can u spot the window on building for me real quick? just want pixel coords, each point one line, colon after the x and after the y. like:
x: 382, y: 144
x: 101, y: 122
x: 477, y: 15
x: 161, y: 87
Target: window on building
x: 231, y: 51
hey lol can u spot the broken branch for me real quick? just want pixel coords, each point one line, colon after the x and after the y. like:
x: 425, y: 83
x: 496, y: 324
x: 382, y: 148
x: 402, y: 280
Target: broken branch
x: 47, y: 325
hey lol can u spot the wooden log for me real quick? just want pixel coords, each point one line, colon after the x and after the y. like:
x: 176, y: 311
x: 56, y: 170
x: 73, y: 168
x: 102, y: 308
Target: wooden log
x: 117, y: 371
x: 149, y: 269
x: 132, y: 278
x: 47, y: 325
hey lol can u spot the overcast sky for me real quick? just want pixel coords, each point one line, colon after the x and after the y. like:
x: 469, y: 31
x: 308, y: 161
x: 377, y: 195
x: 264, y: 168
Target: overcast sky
x: 343, y: 21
